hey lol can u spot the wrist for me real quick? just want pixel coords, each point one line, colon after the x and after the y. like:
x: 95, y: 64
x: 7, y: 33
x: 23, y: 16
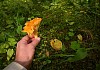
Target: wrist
x: 25, y: 64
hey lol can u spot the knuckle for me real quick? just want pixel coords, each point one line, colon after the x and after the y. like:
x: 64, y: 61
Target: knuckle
x: 18, y: 43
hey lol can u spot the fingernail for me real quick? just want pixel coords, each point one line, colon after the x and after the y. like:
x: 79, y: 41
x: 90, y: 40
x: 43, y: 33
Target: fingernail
x: 38, y: 38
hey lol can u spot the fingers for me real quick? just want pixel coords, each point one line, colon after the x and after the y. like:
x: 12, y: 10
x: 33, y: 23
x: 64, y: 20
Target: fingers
x: 25, y: 39
x: 31, y: 36
x: 34, y: 42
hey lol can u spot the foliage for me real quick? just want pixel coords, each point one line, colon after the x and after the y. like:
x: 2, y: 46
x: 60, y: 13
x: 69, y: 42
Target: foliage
x: 75, y: 45
x: 97, y: 66
x: 80, y: 54
x: 63, y: 20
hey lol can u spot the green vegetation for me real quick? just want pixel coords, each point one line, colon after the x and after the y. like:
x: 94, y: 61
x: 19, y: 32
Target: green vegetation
x: 63, y: 20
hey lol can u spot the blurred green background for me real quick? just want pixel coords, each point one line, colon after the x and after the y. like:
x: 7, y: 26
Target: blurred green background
x: 63, y: 20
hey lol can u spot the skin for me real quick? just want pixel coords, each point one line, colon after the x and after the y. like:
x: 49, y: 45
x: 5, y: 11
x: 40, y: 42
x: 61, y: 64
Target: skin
x: 25, y: 50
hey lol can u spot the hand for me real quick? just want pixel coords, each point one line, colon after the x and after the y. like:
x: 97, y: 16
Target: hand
x: 25, y: 50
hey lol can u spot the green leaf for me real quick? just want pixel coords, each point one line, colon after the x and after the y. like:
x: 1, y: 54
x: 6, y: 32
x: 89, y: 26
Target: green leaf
x: 70, y: 33
x: 12, y: 43
x: 71, y: 30
x: 67, y: 38
x: 3, y: 48
x: 9, y: 26
x: 11, y: 39
x: 32, y: 16
x: 23, y: 33
x: 48, y: 61
x: 19, y: 29
x: 71, y: 23
x: 80, y: 54
x: 19, y: 20
x: 63, y: 48
x: 9, y: 21
x: 66, y: 20
x: 75, y: 45
x: 2, y: 37
x: 62, y: 55
x: 5, y: 45
x: 29, y: 18
x: 46, y: 7
x: 9, y: 53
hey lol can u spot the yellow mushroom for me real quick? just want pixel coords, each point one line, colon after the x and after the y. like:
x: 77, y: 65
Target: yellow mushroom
x: 56, y: 44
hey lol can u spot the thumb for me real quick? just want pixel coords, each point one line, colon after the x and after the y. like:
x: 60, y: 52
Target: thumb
x: 35, y: 42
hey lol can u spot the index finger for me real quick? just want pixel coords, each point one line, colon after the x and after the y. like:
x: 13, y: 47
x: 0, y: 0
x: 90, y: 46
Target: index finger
x: 25, y: 38
x: 34, y: 42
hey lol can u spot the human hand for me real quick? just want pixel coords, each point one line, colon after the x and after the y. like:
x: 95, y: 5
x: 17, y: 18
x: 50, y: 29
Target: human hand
x: 25, y: 50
